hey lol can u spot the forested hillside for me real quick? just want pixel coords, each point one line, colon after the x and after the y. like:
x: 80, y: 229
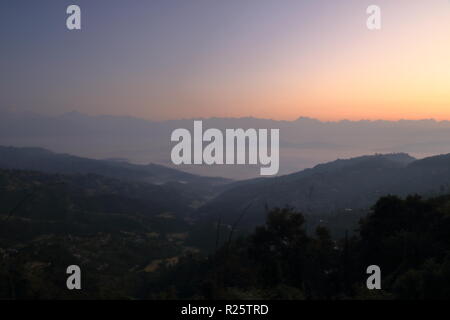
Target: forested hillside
x: 409, y: 239
x: 349, y: 185
x: 138, y: 240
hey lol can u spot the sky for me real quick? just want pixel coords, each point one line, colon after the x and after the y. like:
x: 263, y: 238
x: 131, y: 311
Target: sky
x: 278, y: 59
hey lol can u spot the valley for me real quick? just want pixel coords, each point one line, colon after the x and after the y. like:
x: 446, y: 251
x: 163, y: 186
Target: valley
x: 132, y: 228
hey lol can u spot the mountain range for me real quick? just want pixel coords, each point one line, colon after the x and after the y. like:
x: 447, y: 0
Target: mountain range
x: 343, y: 185
x: 195, y: 187
x: 304, y: 142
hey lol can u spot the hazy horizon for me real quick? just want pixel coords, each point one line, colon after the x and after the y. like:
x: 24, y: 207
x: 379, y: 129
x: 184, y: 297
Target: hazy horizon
x: 304, y: 142
x: 299, y: 117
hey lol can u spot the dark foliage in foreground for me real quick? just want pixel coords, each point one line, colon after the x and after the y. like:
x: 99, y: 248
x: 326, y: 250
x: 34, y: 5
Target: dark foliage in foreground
x: 409, y: 239
x: 129, y: 247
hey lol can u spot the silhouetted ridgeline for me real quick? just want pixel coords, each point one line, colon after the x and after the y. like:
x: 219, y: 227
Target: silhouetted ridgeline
x: 340, y: 186
x: 39, y: 159
x: 348, y: 186
x: 196, y: 187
